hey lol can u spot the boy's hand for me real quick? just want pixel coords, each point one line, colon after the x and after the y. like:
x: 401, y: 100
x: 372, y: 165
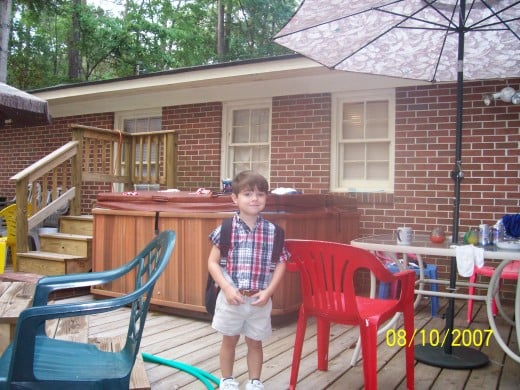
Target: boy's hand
x: 262, y: 297
x: 233, y: 296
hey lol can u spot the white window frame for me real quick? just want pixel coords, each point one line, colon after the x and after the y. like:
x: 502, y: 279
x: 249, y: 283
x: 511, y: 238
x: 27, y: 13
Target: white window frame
x: 120, y: 117
x: 226, y: 165
x: 338, y: 99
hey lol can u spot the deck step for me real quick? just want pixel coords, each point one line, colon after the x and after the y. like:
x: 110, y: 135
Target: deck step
x: 79, y: 224
x: 67, y: 251
x: 51, y: 263
x: 75, y: 244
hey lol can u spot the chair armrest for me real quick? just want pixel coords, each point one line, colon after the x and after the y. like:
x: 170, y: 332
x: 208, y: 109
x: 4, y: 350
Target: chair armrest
x: 31, y: 324
x: 407, y: 279
x: 48, y: 284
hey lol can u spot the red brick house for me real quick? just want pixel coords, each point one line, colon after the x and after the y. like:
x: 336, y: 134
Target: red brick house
x: 387, y: 142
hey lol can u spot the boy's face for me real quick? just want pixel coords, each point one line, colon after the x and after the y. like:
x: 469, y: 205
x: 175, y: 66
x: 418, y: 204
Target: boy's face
x: 250, y: 202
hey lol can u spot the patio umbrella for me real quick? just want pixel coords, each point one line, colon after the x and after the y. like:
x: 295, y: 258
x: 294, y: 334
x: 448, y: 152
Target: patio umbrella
x: 431, y: 40
x: 22, y: 108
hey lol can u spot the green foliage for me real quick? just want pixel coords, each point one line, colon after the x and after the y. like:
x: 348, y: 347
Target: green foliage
x: 149, y: 36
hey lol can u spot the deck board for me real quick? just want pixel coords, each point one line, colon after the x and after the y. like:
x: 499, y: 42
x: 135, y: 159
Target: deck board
x: 194, y: 342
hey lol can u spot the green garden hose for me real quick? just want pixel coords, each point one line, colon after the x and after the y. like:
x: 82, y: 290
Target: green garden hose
x: 201, y: 375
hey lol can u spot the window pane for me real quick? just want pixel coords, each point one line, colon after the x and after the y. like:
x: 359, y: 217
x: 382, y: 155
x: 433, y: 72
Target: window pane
x: 261, y: 168
x: 240, y: 135
x: 353, y: 152
x: 142, y: 125
x: 260, y: 153
x: 155, y: 124
x: 364, y: 143
x: 241, y: 154
x: 353, y: 171
x: 378, y: 151
x: 260, y: 125
x: 377, y: 171
x: 129, y: 125
x: 352, y: 121
x: 377, y: 119
x: 248, y: 143
x: 240, y: 127
x: 241, y: 118
x: 239, y: 167
x: 145, y: 165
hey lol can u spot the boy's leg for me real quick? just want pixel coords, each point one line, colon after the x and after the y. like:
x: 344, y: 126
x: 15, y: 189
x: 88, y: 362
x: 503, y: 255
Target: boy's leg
x: 227, y: 355
x: 255, y: 358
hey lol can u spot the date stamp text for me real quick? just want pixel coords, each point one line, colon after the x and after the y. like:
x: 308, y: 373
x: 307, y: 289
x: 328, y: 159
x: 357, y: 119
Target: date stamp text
x: 436, y: 338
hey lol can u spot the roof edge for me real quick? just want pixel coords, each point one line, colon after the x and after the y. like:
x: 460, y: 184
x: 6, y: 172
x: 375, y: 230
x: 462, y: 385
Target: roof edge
x: 171, y: 72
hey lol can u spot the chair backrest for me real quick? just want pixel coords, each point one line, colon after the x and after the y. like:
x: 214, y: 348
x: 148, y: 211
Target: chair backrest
x: 146, y: 267
x: 9, y: 215
x: 327, y: 272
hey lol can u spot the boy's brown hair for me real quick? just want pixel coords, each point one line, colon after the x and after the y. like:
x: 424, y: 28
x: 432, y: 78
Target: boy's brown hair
x: 249, y: 180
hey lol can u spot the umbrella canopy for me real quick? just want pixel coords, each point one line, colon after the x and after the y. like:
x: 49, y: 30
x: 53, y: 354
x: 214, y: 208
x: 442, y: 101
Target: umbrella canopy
x: 416, y: 39
x: 432, y: 40
x: 22, y: 108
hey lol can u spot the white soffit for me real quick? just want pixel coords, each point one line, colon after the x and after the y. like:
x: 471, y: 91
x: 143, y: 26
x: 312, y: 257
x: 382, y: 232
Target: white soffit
x: 211, y: 84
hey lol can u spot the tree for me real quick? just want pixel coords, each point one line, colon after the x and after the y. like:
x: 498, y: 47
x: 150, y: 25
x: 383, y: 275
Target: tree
x: 5, y: 18
x: 7, y: 23
x: 250, y: 26
x: 74, y: 41
x: 64, y: 41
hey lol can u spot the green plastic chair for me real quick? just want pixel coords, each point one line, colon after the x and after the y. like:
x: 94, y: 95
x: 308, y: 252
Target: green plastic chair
x: 34, y: 360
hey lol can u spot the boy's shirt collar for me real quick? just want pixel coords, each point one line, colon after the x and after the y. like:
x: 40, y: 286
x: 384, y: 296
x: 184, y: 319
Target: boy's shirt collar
x: 239, y: 220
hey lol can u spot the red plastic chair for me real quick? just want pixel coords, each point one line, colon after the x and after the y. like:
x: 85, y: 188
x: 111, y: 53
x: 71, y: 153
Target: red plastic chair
x: 327, y: 272
x: 510, y: 272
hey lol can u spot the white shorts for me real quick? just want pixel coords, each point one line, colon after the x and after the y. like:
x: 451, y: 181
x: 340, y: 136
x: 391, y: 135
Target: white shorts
x: 233, y: 320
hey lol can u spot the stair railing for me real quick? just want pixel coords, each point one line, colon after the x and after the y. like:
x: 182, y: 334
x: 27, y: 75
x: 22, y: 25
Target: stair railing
x: 94, y: 154
x: 53, y: 178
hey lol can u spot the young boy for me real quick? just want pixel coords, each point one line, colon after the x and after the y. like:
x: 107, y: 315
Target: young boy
x: 247, y: 278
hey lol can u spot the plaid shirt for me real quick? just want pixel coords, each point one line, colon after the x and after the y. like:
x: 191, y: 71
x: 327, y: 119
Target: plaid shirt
x: 248, y: 262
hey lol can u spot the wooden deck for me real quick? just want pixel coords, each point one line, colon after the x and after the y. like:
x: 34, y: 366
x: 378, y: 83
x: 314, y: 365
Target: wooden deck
x: 194, y: 342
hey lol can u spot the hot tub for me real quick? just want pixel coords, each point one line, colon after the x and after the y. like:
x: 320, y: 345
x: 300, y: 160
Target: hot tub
x: 125, y: 222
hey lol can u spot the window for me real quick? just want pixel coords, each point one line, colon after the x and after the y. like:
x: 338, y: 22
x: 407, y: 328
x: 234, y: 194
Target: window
x: 362, y: 155
x: 141, y: 121
x: 246, y: 138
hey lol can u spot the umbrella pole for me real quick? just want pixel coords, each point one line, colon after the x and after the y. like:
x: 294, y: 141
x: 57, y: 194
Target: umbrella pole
x: 446, y: 355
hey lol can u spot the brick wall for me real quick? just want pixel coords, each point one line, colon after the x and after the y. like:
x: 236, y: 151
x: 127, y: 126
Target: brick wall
x: 425, y: 155
x: 300, y: 148
x: 300, y: 154
x: 199, y: 128
x: 23, y: 146
x: 300, y: 142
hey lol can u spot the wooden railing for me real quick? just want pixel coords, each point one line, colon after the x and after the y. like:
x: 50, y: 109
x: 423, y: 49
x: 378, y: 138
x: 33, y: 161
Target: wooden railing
x: 93, y: 155
x: 127, y: 158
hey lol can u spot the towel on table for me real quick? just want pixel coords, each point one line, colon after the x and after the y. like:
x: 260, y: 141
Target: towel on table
x: 468, y: 256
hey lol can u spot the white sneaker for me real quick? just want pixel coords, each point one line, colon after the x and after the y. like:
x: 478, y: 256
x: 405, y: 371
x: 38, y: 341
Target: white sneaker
x: 228, y: 384
x: 254, y: 384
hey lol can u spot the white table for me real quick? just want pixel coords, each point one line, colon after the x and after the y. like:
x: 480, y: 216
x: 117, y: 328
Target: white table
x: 422, y: 245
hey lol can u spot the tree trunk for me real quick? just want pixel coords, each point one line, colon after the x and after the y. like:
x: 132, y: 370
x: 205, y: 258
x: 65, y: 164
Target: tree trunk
x: 75, y: 36
x: 221, y: 44
x: 5, y: 29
